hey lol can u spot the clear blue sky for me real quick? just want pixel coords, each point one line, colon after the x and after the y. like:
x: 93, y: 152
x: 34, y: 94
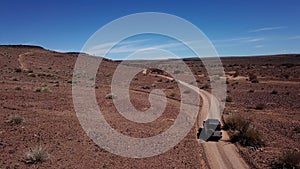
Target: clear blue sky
x: 235, y: 27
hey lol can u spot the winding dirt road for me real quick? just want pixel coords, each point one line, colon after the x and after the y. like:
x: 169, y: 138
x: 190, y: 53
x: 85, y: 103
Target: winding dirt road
x: 222, y: 154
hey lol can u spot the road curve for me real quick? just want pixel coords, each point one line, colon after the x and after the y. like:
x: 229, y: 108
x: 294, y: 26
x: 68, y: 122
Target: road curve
x: 222, y: 154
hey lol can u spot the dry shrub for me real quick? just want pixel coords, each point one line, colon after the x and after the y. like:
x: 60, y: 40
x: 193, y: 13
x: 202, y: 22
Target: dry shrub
x: 260, y: 106
x: 15, y: 119
x: 36, y: 155
x: 110, y: 96
x: 172, y: 95
x: 253, y: 78
x: 288, y: 160
x: 242, y: 131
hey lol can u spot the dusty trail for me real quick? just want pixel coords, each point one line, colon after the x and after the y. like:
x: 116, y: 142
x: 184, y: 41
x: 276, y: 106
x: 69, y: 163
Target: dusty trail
x: 222, y: 154
x: 21, y: 60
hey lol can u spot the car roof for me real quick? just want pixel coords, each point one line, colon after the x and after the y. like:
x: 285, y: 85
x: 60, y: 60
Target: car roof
x: 212, y: 121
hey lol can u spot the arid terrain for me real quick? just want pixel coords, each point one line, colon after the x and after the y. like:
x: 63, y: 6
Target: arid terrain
x: 36, y: 86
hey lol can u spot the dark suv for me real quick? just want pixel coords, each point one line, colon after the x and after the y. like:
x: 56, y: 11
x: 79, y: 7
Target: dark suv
x: 211, y: 129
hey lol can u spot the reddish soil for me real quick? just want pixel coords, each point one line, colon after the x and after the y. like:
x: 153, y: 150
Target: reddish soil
x: 277, y: 90
x: 50, y: 119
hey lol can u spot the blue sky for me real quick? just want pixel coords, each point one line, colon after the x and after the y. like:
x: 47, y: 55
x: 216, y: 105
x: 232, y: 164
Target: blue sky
x: 235, y: 27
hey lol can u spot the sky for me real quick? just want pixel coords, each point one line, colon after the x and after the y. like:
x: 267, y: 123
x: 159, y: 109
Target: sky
x: 235, y: 27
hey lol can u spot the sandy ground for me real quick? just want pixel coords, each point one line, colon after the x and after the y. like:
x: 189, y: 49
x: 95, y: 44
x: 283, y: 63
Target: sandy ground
x: 50, y: 119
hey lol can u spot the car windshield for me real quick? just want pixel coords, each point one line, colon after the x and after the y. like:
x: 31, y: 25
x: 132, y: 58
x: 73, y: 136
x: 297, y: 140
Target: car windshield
x: 213, y: 121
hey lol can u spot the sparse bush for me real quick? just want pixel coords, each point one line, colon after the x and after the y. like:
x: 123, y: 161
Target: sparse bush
x: 251, y: 91
x: 43, y: 89
x: 38, y: 90
x: 260, y: 106
x: 248, y: 136
x: 15, y: 119
x: 172, y: 95
x: 46, y: 89
x: 288, y: 160
x: 228, y: 99
x: 253, y: 78
x: 233, y: 122
x: 14, y: 79
x: 274, y: 92
x: 244, y: 132
x: 18, y: 70
x: 110, y: 96
x: 36, y: 155
x: 18, y: 88
x: 159, y: 80
x: 297, y: 129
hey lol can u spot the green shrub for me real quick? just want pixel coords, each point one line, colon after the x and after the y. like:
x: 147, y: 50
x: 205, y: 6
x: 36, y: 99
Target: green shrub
x: 36, y: 155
